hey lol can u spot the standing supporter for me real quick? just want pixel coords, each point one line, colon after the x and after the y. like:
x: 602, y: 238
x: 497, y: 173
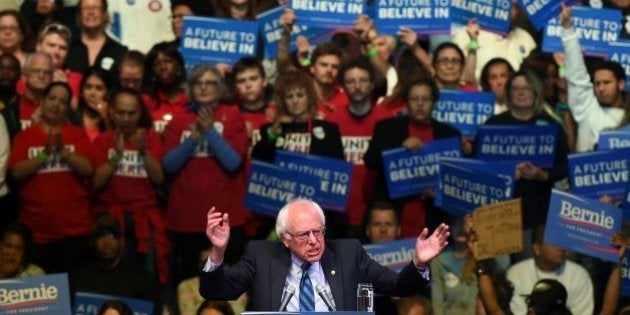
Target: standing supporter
x: 93, y: 47
x: 38, y: 72
x: 92, y: 110
x: 9, y: 98
x: 131, y: 70
x: 54, y: 152
x: 164, y: 68
x: 595, y: 101
x: 40, y: 12
x: 411, y: 132
x: 128, y: 165
x: 550, y: 262
x: 356, y: 121
x: 14, y: 33
x: 16, y: 246
x: 179, y: 9
x: 235, y: 9
x: 140, y: 24
x: 54, y: 40
x: 382, y: 223
x: 494, y: 76
x: 295, y: 128
x: 323, y: 65
x: 206, y: 145
x: 525, y: 102
x: 452, y: 67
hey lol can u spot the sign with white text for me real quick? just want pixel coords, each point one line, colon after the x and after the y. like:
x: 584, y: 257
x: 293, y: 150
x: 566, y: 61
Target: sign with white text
x: 492, y: 15
x: 426, y: 17
x: 395, y: 255
x: 464, y: 110
x: 48, y: 294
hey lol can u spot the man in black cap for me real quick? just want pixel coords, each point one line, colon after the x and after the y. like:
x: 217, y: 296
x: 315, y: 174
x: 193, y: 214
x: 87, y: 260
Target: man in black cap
x: 548, y: 297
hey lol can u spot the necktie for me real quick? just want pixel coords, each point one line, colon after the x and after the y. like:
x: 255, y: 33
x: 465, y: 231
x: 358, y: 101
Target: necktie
x: 307, y: 296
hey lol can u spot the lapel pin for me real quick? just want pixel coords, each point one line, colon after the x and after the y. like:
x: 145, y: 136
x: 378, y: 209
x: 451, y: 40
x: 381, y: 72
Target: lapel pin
x: 332, y: 272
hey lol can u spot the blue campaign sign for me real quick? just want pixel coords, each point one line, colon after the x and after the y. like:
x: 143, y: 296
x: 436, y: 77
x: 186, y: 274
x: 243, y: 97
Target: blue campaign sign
x: 619, y: 51
x: 492, y: 15
x: 625, y: 274
x: 395, y: 255
x: 334, y: 176
x: 86, y: 303
x: 270, y: 187
x: 600, y: 173
x: 464, y: 110
x: 328, y: 13
x: 35, y: 295
x: 427, y: 17
x: 625, y: 204
x: 614, y: 139
x: 595, y: 27
x: 539, y: 12
x: 466, y: 184
x: 410, y: 173
x: 271, y: 30
x: 582, y: 225
x: 217, y: 40
x: 533, y: 143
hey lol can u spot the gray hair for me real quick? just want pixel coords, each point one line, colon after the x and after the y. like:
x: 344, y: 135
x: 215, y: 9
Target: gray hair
x: 282, y: 221
x: 36, y: 55
x: 196, y: 73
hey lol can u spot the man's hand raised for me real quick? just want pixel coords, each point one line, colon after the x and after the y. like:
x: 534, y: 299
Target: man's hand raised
x: 218, y: 232
x: 428, y: 248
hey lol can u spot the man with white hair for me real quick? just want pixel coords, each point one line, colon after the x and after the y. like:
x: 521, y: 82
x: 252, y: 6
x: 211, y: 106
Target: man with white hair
x: 303, y: 260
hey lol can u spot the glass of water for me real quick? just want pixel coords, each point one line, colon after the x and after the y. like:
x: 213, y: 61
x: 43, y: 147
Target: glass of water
x: 365, y: 297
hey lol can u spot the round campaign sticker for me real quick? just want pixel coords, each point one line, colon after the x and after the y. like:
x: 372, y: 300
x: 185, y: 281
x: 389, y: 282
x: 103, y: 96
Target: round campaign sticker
x: 155, y: 5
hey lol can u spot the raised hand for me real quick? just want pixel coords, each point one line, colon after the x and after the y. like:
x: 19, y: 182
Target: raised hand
x: 205, y: 119
x: 428, y: 248
x: 287, y: 19
x: 565, y: 16
x: 473, y: 29
x: 408, y: 36
x: 218, y: 232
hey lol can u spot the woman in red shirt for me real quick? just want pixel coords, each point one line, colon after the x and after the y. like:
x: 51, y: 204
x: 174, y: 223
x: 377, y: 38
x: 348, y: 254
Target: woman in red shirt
x: 52, y: 162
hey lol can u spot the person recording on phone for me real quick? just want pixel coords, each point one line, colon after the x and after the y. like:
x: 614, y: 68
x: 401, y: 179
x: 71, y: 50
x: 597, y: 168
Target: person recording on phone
x: 305, y: 272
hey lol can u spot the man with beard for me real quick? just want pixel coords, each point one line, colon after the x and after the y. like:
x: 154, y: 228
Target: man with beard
x: 356, y: 120
x: 9, y: 99
x: 111, y: 272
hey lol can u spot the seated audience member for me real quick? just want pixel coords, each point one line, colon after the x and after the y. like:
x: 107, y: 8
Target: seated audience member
x: 550, y: 262
x: 14, y: 34
x: 381, y: 222
x: 38, y: 72
x: 92, y: 111
x: 548, y: 297
x: 596, y: 101
x: 114, y: 307
x: 128, y: 165
x: 51, y: 162
x: 110, y: 271
x: 215, y: 308
x: 131, y: 70
x: 9, y: 98
x: 15, y: 252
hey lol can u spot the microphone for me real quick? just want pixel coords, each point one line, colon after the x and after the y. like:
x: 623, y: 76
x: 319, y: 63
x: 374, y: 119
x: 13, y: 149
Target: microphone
x: 287, y: 294
x: 326, y: 296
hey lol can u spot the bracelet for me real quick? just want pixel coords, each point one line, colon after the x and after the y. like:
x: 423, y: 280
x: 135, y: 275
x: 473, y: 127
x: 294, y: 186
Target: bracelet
x: 115, y: 159
x: 306, y: 62
x: 482, y: 268
x: 562, y: 71
x: 473, y: 45
x: 42, y: 156
x: 271, y: 135
x: 372, y: 52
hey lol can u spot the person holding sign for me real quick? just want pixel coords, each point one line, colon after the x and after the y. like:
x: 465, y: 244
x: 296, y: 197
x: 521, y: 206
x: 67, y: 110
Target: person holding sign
x: 411, y: 132
x: 452, y: 67
x: 205, y: 144
x: 596, y: 101
x: 333, y: 267
x: 525, y: 101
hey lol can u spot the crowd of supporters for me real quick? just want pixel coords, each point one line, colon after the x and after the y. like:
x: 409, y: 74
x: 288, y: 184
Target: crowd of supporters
x: 112, y: 152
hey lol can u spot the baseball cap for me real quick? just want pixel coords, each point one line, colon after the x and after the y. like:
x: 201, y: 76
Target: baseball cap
x: 547, y: 292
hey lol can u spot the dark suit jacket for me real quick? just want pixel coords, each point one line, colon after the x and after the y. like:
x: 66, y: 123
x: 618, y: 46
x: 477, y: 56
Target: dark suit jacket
x: 264, y: 267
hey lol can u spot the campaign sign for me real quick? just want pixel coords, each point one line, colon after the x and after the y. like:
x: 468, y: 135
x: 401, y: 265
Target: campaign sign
x: 328, y: 13
x: 467, y: 184
x: 427, y: 17
x: 614, y: 139
x: 517, y: 143
x: 394, y: 255
x: 217, y: 40
x: 625, y: 274
x: 600, y: 173
x: 464, y: 110
x: 595, y: 28
x: 492, y: 15
x: 540, y: 11
x: 270, y: 187
x: 89, y: 303
x: 334, y: 176
x: 46, y: 294
x: 625, y: 204
x: 582, y: 225
x: 271, y: 30
x: 619, y: 51
x: 410, y: 173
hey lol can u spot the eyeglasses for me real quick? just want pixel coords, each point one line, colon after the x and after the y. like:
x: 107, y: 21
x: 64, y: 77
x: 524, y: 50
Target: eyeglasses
x: 56, y: 28
x: 357, y: 82
x: 45, y: 72
x: 92, y: 8
x: 10, y: 28
x: 303, y: 236
x: 526, y: 89
x: 204, y: 84
x: 448, y: 61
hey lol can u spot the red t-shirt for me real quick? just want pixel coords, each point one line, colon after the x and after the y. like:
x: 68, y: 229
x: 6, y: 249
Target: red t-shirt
x: 54, y: 200
x: 129, y: 186
x: 356, y: 133
x: 162, y: 110
x: 393, y: 106
x: 27, y: 108
x: 74, y: 81
x: 202, y: 183
x: 338, y: 100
